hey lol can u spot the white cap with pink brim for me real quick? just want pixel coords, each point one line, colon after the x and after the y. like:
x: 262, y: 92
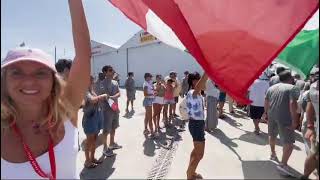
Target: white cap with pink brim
x: 28, y: 54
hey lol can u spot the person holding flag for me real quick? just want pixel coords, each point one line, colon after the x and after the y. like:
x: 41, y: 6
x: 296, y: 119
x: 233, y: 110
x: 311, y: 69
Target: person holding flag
x: 36, y: 108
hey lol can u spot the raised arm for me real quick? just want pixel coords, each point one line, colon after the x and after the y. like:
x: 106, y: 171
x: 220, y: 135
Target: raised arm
x: 201, y: 85
x: 79, y: 77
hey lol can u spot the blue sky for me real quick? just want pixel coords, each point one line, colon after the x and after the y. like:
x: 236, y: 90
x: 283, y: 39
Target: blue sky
x: 46, y: 23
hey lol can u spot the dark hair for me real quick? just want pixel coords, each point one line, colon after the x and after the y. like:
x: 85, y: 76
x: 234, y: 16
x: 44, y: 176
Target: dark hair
x: 170, y: 80
x: 130, y: 74
x: 158, y: 76
x: 285, y: 76
x: 186, y: 72
x: 272, y: 74
x: 146, y: 75
x: 106, y: 68
x: 192, y: 77
x: 280, y: 69
x: 101, y: 76
x: 62, y: 64
x: 297, y: 76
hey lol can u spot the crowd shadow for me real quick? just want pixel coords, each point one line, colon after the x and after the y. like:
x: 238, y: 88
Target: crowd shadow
x: 166, y: 138
x: 102, y: 171
x: 238, y: 114
x: 225, y: 140
x: 264, y: 170
x: 261, y: 139
x: 233, y: 123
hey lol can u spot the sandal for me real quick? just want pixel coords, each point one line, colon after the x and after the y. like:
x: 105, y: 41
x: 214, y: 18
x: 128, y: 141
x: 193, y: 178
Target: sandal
x: 197, y: 176
x: 97, y: 161
x: 146, y: 132
x: 90, y: 165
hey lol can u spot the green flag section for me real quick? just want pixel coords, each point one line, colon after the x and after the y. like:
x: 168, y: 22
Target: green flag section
x: 302, y: 53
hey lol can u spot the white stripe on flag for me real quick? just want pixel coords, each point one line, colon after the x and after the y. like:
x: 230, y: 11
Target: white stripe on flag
x: 162, y: 31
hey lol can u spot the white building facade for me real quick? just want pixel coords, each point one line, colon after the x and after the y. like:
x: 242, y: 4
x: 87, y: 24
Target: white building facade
x: 142, y: 53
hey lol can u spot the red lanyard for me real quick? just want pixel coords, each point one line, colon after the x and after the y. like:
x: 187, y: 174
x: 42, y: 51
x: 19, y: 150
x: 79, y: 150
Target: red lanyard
x: 34, y: 162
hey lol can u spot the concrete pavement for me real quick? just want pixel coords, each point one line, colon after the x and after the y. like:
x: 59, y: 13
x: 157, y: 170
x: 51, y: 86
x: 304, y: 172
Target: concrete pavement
x: 232, y: 151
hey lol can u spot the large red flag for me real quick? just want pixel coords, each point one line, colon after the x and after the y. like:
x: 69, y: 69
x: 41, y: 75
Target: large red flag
x: 234, y: 41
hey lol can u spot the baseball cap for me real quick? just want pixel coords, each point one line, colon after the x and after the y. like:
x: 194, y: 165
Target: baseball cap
x: 172, y: 72
x: 28, y: 54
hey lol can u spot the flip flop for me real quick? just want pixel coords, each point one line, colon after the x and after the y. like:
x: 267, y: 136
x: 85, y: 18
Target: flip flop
x: 90, y: 166
x: 197, y: 176
x: 97, y: 161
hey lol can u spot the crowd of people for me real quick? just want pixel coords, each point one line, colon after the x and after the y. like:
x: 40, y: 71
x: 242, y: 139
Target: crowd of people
x: 279, y: 99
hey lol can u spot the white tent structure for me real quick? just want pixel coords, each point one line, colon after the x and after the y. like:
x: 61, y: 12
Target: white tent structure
x: 140, y: 54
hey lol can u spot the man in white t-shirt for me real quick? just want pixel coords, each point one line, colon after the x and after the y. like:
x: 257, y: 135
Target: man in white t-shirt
x: 257, y: 93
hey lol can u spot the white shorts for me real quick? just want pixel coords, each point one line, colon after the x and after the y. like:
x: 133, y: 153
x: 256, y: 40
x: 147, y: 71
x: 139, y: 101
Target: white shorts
x: 158, y: 100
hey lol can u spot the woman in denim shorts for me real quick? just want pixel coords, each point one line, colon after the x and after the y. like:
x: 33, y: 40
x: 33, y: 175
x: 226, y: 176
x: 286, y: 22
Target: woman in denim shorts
x: 147, y: 103
x: 168, y: 102
x: 195, y: 108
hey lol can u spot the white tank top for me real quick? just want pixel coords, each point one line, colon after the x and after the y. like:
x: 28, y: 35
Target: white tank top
x: 65, y: 156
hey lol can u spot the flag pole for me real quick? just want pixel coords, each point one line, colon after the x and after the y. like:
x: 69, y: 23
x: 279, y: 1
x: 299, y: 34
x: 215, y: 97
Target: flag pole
x: 55, y: 54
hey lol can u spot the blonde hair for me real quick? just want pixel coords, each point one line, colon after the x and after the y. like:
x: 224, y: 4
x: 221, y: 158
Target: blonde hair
x: 59, y: 108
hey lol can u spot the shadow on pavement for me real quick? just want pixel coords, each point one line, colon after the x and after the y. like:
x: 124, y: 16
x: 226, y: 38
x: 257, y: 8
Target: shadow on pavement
x: 253, y: 169
x: 149, y: 147
x: 263, y: 170
x: 102, y: 171
x: 226, y: 141
x: 238, y: 114
x: 233, y: 123
x: 261, y: 139
x: 166, y: 137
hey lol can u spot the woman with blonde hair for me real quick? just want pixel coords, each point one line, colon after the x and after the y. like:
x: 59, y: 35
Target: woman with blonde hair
x: 38, y: 137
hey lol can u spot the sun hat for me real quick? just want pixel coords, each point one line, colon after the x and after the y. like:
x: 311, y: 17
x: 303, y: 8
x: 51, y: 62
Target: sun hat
x: 28, y: 54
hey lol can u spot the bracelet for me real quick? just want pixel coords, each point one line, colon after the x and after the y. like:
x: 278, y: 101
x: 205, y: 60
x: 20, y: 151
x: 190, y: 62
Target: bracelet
x: 310, y: 126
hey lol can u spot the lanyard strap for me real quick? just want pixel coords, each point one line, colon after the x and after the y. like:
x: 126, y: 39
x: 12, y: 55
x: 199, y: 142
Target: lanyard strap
x: 32, y: 159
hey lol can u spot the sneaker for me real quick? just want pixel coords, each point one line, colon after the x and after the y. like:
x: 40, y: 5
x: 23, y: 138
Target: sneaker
x: 115, y: 146
x: 284, y: 170
x: 175, y: 115
x: 108, y: 153
x: 274, y: 158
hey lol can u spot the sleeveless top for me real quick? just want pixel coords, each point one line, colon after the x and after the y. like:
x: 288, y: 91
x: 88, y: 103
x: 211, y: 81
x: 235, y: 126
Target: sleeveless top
x: 161, y: 90
x: 65, y: 156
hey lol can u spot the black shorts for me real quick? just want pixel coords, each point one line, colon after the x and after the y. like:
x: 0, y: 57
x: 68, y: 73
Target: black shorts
x: 256, y: 112
x: 176, y: 99
x: 196, y: 128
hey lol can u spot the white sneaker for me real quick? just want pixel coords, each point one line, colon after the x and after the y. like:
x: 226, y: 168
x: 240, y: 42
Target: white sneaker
x: 115, y: 146
x: 285, y: 170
